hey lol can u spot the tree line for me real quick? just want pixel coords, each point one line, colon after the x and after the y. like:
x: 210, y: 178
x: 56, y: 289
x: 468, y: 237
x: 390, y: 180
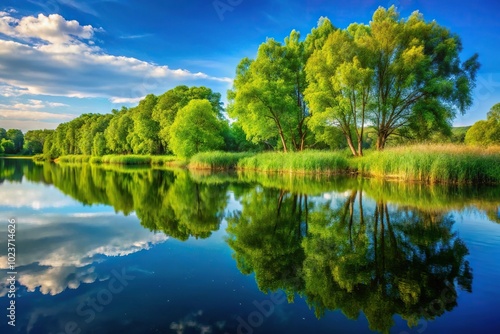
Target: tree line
x: 394, y: 80
x: 403, y: 78
x: 184, y: 121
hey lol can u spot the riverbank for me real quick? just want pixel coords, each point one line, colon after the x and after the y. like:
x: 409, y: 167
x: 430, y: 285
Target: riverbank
x: 431, y: 164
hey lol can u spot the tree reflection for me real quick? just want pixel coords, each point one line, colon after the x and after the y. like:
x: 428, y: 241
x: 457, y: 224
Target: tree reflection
x: 163, y: 200
x: 266, y: 236
x: 370, y: 258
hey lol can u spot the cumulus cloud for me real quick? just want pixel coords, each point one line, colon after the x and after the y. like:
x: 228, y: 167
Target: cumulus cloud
x: 53, y: 56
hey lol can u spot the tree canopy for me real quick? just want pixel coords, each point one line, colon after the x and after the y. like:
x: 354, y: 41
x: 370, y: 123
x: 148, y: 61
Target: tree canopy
x: 484, y: 133
x: 196, y: 129
x: 402, y: 76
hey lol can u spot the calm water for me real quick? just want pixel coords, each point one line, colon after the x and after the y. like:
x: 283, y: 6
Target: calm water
x: 108, y: 250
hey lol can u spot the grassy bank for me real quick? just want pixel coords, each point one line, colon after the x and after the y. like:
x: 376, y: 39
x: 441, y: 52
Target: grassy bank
x: 144, y: 160
x: 421, y: 163
x: 297, y: 162
x: 433, y: 164
x: 217, y: 160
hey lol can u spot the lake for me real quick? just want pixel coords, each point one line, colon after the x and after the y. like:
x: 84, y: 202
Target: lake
x: 138, y: 250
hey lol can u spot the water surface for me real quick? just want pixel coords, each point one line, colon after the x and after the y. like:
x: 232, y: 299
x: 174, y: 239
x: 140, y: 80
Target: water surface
x: 140, y: 250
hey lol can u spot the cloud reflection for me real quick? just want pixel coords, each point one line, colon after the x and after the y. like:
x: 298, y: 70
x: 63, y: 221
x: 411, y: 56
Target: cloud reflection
x: 61, y: 251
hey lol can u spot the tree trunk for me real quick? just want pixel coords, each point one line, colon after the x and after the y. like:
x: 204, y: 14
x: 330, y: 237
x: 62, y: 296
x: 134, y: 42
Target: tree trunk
x: 351, y: 145
x: 285, y: 149
x: 360, y: 143
x: 381, y: 139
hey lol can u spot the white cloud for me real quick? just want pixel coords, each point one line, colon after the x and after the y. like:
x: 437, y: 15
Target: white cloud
x: 9, y: 91
x: 52, y: 56
x: 126, y: 99
x: 53, y: 28
x: 30, y: 110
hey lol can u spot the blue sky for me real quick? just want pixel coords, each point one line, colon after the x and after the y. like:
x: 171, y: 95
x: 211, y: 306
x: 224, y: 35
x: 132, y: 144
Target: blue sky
x: 62, y: 58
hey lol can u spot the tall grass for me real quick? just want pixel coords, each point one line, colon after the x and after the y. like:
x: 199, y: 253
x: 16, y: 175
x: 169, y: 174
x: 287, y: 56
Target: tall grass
x: 129, y: 159
x: 433, y: 164
x: 73, y: 158
x: 217, y: 160
x: 298, y: 162
x: 166, y: 160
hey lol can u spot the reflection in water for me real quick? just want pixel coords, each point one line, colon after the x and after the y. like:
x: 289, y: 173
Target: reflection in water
x: 381, y: 249
x: 344, y: 254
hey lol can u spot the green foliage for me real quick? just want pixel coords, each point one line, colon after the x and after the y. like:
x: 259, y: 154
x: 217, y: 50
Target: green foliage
x: 73, y: 158
x: 171, y: 102
x: 298, y: 162
x: 486, y: 133
x: 99, y: 145
x: 404, y: 75
x: 195, y: 129
x: 217, y: 160
x: 3, y: 134
x: 17, y: 137
x: 166, y: 160
x: 126, y: 159
x: 267, y: 95
x: 8, y: 146
x: 340, y: 77
x: 144, y: 129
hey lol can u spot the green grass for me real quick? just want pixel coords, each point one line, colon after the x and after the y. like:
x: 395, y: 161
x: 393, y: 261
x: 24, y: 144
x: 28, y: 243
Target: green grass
x: 73, y: 159
x: 217, y: 160
x: 433, y: 164
x: 129, y: 159
x: 166, y: 160
x: 39, y: 158
x: 298, y: 162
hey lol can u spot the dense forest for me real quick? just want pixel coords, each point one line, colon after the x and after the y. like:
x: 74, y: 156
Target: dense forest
x: 393, y: 81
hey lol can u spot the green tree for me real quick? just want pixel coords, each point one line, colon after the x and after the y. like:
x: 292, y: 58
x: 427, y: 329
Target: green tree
x: 144, y: 139
x: 404, y: 76
x: 8, y: 146
x: 340, y: 84
x: 17, y: 137
x: 117, y: 131
x: 34, y: 140
x: 169, y: 104
x: 487, y: 132
x: 99, y: 145
x: 3, y: 133
x: 267, y: 95
x: 195, y: 129
x: 418, y: 74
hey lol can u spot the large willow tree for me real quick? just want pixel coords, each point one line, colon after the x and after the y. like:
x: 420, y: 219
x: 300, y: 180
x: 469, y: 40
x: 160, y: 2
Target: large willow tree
x: 401, y: 76
x: 267, y: 95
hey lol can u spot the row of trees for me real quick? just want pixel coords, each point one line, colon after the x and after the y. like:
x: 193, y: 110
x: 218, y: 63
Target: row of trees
x: 13, y: 141
x: 486, y: 132
x: 402, y: 77
x: 365, y: 85
x: 184, y: 121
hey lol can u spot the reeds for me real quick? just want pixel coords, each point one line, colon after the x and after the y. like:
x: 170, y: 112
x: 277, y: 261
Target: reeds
x: 217, y: 160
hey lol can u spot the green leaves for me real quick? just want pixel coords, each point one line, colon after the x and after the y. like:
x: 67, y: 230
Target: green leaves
x: 196, y: 129
x: 403, y: 76
x: 485, y: 133
x: 267, y: 94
